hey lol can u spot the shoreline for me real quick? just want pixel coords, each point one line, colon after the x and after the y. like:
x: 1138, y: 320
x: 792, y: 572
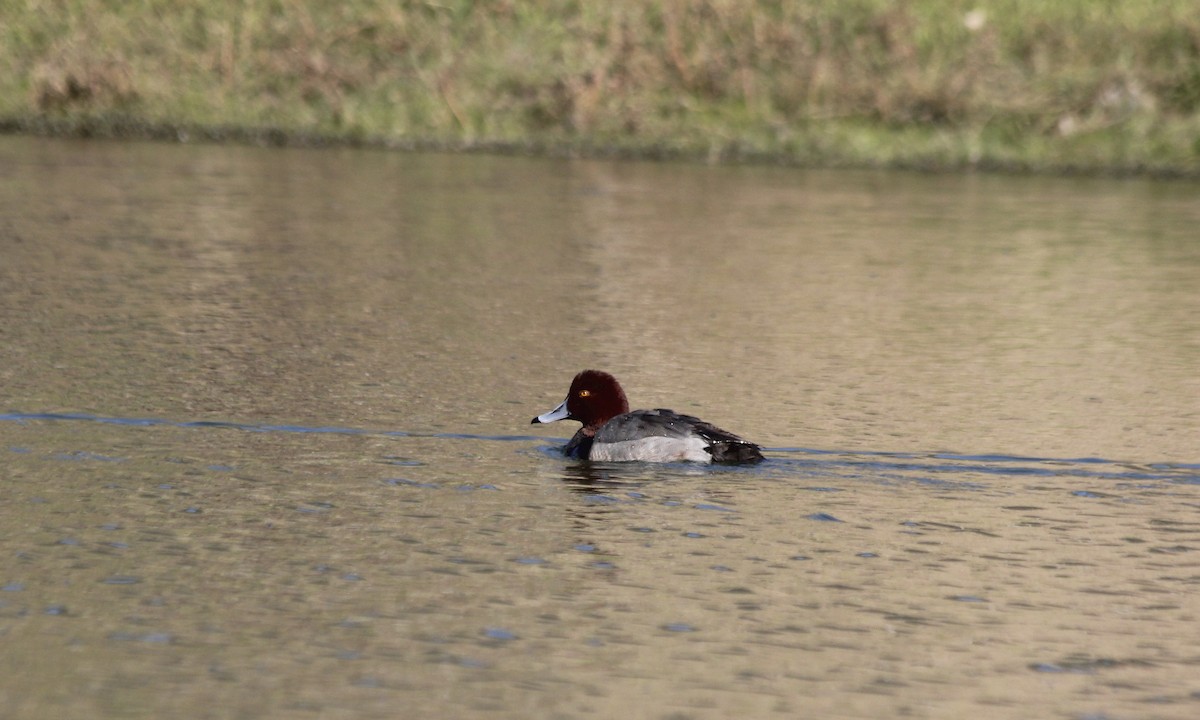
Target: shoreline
x: 132, y: 129
x: 1014, y: 86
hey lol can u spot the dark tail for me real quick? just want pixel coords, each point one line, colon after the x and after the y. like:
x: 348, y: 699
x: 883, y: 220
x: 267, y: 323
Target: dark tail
x: 728, y: 452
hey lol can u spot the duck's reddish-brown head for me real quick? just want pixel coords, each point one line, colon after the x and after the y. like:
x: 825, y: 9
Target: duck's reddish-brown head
x: 595, y: 398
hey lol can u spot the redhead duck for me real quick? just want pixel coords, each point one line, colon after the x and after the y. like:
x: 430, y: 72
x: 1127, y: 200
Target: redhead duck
x: 611, y: 432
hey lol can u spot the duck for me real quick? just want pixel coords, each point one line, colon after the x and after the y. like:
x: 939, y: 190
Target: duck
x: 613, y: 433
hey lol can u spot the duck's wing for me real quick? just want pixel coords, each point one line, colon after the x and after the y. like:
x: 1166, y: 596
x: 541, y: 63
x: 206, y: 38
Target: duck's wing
x: 722, y: 445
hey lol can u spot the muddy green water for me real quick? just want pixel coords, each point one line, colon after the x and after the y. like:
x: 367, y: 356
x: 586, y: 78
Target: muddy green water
x: 265, y: 453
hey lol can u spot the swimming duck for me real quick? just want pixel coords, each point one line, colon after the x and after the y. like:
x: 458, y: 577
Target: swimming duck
x: 612, y: 432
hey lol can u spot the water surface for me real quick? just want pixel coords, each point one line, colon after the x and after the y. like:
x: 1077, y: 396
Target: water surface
x: 265, y: 446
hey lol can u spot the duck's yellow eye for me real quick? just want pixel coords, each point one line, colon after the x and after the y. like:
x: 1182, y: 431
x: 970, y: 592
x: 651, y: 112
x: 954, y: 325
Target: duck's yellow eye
x: 585, y: 393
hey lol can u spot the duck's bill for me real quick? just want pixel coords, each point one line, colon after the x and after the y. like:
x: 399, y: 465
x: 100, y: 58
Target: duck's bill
x: 558, y: 413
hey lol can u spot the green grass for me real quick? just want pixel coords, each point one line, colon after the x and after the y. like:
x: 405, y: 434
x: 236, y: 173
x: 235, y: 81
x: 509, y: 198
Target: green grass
x: 1086, y: 85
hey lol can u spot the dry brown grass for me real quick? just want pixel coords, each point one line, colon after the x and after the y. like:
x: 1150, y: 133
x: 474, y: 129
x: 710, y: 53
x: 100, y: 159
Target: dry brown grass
x: 1013, y: 82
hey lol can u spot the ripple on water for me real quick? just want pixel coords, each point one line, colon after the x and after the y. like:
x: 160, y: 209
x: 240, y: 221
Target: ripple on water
x: 121, y: 580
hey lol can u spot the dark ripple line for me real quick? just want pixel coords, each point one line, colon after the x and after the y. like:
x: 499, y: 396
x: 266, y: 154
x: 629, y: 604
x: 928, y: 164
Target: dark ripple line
x: 1056, y: 468
x: 252, y: 427
x: 995, y: 464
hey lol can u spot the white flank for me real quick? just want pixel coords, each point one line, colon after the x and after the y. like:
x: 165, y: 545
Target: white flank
x: 653, y: 449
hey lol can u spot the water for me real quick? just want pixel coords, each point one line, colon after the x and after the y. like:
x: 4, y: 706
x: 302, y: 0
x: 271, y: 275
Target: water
x: 265, y: 449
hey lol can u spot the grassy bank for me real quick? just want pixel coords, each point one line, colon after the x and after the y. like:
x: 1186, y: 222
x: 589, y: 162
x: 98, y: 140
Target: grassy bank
x: 1022, y: 84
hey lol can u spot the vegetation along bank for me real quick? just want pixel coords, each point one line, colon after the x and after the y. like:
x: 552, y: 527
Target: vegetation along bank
x: 1065, y: 85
